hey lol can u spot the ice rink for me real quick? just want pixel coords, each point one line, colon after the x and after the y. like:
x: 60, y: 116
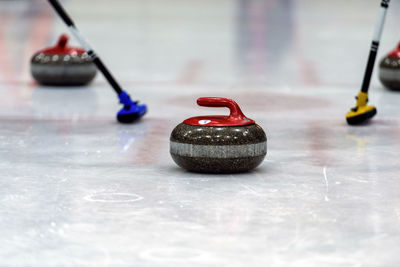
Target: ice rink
x: 79, y: 189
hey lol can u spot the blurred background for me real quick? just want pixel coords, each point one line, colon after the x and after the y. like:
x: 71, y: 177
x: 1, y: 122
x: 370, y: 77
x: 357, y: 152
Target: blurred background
x: 216, y: 43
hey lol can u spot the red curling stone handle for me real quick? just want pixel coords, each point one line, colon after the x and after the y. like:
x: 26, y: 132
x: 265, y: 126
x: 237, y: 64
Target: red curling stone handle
x: 62, y: 41
x: 235, y: 111
x: 395, y: 53
x: 235, y: 118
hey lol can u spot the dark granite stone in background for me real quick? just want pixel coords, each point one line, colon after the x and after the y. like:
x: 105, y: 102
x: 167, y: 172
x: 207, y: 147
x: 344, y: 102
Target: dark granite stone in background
x: 389, y: 73
x: 61, y: 70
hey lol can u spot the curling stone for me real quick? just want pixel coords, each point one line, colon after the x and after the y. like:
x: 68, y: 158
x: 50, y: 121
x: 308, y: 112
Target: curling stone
x: 62, y: 65
x: 218, y: 144
x: 389, y: 70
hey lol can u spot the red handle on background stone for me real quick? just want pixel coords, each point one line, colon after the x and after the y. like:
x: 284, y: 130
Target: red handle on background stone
x: 62, y: 48
x: 396, y: 52
x: 62, y: 41
x: 235, y: 111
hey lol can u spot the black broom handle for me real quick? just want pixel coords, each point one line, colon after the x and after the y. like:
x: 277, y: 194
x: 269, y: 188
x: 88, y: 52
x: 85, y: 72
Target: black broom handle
x: 374, y: 46
x: 96, y: 60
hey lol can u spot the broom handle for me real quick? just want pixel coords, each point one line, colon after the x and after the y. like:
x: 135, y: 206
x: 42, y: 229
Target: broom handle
x: 374, y: 46
x: 89, y: 50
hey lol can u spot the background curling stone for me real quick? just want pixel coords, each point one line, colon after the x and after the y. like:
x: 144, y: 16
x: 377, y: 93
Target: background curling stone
x: 218, y: 144
x: 389, y: 70
x: 62, y: 65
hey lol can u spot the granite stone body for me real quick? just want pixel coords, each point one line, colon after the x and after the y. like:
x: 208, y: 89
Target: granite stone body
x: 63, y: 67
x: 228, y: 149
x: 389, y: 70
